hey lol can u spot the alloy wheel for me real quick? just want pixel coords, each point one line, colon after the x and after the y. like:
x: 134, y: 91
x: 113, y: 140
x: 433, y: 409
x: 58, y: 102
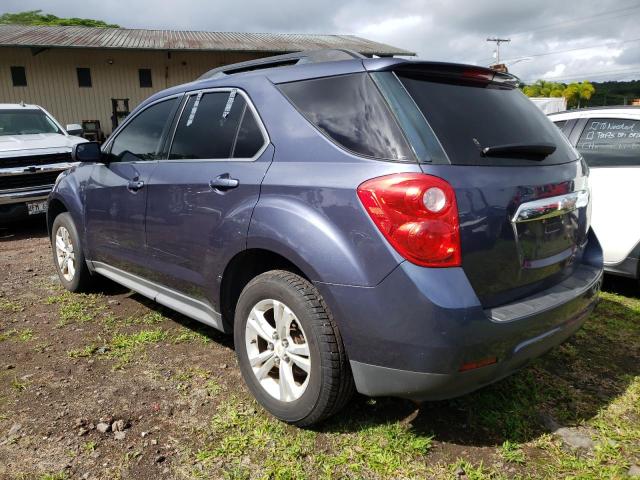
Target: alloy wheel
x: 65, y: 254
x: 277, y: 350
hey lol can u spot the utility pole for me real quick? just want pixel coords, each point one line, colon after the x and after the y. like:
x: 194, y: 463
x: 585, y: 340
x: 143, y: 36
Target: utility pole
x: 498, y: 41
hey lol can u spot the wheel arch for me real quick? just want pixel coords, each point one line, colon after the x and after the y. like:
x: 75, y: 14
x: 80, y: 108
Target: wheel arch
x: 241, y: 269
x: 55, y: 208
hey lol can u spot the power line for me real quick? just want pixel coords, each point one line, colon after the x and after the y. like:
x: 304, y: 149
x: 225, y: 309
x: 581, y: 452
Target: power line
x: 556, y: 52
x: 599, y: 73
x: 597, y: 16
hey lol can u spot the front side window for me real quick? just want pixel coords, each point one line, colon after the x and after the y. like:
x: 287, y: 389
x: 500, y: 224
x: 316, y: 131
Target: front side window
x: 350, y: 110
x: 141, y: 138
x: 610, y: 142
x: 25, y: 122
x: 216, y: 125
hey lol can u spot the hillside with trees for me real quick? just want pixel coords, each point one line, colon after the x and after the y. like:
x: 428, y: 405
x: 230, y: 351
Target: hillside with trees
x: 36, y: 17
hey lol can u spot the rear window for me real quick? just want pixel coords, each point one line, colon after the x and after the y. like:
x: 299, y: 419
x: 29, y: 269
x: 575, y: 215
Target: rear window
x: 468, y: 115
x: 350, y: 110
x: 610, y: 142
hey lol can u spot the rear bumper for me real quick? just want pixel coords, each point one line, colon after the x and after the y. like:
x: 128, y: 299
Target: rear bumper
x: 410, y: 335
x: 375, y: 380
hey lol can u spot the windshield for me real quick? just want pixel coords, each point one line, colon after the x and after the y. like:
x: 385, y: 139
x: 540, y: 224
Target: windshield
x: 25, y: 122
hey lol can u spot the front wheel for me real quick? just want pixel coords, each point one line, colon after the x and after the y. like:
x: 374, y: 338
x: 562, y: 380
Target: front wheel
x: 290, y: 350
x: 68, y: 255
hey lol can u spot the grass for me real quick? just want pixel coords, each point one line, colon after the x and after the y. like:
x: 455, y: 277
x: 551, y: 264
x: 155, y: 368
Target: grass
x: 23, y: 335
x: 82, y: 352
x: 591, y: 381
x: 243, y: 438
x: 89, y: 447
x: 512, y: 452
x: 19, y: 385
x: 123, y: 346
x: 191, y: 336
x: 54, y: 476
x: 76, y: 308
x: 9, y: 306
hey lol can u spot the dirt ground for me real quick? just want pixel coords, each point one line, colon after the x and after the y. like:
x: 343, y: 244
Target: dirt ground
x: 109, y: 385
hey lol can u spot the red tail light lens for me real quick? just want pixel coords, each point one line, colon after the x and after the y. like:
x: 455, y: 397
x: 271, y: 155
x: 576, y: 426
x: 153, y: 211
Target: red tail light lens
x: 417, y: 214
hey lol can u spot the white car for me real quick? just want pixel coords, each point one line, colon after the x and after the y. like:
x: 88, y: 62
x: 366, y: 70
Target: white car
x: 609, y: 140
x: 34, y: 149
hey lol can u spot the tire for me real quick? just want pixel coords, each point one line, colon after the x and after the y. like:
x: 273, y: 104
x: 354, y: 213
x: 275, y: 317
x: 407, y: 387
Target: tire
x: 74, y: 273
x: 309, y: 396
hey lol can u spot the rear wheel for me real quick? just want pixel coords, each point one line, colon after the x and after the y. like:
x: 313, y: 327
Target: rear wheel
x: 289, y: 349
x: 68, y: 255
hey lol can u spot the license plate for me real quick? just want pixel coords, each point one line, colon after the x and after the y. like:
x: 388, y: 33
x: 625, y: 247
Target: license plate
x: 37, y: 207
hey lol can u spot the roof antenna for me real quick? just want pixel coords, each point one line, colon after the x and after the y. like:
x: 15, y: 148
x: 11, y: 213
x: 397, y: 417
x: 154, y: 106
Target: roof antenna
x: 22, y: 104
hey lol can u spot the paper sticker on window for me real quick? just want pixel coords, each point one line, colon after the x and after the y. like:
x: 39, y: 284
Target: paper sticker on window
x: 194, y: 109
x: 227, y: 108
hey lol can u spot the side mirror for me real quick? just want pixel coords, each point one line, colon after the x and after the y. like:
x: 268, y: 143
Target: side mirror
x: 74, y: 129
x: 87, y: 152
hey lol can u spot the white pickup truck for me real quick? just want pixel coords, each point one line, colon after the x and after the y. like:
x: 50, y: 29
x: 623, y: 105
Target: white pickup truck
x: 34, y: 149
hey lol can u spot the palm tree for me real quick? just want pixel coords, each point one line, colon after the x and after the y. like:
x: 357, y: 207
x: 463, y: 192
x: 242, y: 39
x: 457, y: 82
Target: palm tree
x: 576, y: 92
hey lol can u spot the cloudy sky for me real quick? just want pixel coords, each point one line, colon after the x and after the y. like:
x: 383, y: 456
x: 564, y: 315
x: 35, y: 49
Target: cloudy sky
x: 568, y: 40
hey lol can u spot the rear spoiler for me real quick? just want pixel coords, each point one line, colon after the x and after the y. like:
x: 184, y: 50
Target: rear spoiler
x: 444, y: 70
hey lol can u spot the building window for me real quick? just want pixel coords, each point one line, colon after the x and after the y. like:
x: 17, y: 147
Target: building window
x: 19, y: 76
x: 84, y: 77
x: 145, y: 77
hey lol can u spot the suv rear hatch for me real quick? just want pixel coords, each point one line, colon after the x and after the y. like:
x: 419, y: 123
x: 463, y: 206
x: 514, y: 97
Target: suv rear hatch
x: 521, y: 189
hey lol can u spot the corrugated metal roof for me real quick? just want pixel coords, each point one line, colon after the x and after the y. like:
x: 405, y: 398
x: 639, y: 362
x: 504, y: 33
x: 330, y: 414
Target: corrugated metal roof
x: 123, y: 38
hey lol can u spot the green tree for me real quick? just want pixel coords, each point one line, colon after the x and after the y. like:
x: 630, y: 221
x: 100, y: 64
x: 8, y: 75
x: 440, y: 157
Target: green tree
x: 576, y: 92
x: 36, y: 17
x: 542, y: 88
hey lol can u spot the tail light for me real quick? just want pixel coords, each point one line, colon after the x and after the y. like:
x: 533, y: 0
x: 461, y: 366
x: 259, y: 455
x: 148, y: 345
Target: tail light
x: 417, y: 214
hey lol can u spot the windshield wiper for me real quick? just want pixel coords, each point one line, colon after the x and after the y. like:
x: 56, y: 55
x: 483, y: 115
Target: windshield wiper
x: 533, y: 151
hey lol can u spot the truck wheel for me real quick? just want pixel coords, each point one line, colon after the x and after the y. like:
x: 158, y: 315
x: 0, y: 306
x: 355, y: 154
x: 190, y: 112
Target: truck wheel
x: 68, y: 256
x: 290, y: 350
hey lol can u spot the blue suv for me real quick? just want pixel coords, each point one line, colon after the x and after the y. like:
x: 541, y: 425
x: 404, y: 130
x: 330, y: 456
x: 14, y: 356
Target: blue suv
x: 395, y: 227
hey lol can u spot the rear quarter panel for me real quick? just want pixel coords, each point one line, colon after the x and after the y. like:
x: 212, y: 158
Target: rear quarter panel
x: 309, y: 210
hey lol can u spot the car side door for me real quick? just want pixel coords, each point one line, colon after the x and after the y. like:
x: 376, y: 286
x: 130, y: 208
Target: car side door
x: 116, y: 195
x: 202, y: 196
x: 611, y: 148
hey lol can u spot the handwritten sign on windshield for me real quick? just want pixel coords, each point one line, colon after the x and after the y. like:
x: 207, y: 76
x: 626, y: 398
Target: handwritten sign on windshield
x: 618, y: 134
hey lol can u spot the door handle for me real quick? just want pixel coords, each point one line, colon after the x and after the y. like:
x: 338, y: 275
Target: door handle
x: 135, y: 185
x: 223, y: 182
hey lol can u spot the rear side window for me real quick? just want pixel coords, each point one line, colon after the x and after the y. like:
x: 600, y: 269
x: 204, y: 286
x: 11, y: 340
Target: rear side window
x: 249, y: 139
x: 350, y: 110
x: 560, y: 124
x: 610, y: 142
x: 468, y: 116
x: 141, y: 138
x: 216, y: 125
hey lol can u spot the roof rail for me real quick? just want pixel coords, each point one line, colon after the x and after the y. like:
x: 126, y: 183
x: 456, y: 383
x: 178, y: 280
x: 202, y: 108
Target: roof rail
x: 296, y: 58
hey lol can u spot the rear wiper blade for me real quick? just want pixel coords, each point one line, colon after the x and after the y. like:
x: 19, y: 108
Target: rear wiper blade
x: 535, y: 151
